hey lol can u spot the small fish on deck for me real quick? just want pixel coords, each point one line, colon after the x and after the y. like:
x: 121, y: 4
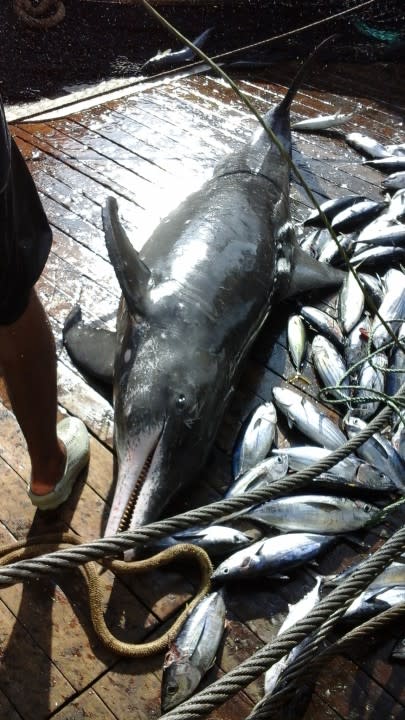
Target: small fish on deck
x: 314, y: 423
x: 193, y: 652
x: 255, y: 439
x: 270, y: 556
x: 366, y: 145
x: 261, y: 475
x: 168, y: 59
x: 323, y: 122
x: 313, y: 513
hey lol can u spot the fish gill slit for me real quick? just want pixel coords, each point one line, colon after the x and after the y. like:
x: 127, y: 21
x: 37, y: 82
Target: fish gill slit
x: 127, y: 514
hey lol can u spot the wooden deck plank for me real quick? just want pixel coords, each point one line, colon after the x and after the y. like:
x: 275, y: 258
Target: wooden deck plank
x: 134, y: 149
x: 87, y: 705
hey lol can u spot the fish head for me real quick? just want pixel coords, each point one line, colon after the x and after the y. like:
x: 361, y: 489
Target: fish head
x: 168, y: 398
x: 180, y: 679
x: 243, y: 563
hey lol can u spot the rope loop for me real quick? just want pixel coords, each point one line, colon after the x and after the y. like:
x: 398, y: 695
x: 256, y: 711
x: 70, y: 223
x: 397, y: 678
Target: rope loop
x: 40, y: 15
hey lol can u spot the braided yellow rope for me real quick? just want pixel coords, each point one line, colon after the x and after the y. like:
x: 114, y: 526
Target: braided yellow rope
x: 38, y: 545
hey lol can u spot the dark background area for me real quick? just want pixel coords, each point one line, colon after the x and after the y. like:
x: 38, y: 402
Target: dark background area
x: 99, y: 40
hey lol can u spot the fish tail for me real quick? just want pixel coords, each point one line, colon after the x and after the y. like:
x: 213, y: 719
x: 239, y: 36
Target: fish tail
x: 284, y: 106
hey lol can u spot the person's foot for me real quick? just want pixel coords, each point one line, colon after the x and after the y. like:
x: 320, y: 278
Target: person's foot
x: 73, y: 435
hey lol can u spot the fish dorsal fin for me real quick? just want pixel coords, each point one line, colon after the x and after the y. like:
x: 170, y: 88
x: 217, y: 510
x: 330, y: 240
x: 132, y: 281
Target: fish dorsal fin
x: 132, y: 274
x: 5, y: 150
x: 308, y: 274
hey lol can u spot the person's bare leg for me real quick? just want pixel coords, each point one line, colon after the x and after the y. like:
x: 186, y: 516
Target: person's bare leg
x: 28, y: 359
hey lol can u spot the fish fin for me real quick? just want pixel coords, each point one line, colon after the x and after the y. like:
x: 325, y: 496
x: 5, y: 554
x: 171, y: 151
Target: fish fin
x: 308, y: 274
x: 199, y: 42
x: 285, y: 104
x: 91, y: 348
x: 132, y: 274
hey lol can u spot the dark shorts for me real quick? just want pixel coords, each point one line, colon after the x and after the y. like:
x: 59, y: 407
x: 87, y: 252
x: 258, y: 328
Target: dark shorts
x: 25, y: 235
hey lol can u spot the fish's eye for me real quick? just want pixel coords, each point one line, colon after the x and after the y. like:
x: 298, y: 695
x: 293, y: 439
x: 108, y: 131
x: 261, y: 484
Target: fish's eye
x: 172, y: 689
x: 180, y: 402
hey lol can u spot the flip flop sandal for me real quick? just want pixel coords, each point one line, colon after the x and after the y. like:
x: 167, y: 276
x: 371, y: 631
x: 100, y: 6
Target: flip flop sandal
x: 73, y: 434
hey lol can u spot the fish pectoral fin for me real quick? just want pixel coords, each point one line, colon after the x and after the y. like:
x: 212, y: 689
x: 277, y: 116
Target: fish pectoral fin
x: 132, y: 274
x: 91, y: 348
x: 307, y: 274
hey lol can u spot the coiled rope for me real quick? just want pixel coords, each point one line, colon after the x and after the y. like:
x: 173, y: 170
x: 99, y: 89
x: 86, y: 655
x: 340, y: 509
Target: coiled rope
x: 41, y: 15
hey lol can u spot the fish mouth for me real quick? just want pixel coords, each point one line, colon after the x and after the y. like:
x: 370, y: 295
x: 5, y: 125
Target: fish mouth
x: 137, y: 498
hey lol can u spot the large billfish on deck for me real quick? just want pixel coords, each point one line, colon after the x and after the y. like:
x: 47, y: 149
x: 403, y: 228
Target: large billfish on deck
x: 194, y: 299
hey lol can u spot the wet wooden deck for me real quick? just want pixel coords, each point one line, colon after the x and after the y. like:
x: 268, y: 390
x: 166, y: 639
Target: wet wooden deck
x: 148, y: 149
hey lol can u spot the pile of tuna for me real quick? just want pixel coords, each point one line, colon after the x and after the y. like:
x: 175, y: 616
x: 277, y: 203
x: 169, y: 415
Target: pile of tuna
x: 358, y: 362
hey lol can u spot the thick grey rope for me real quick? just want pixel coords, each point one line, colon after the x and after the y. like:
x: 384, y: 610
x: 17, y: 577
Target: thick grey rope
x: 305, y: 669
x: 323, y: 616
x: 97, y: 549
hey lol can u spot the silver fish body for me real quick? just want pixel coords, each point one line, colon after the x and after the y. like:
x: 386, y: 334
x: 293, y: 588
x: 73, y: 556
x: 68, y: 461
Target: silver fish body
x: 273, y: 677
x: 255, y: 439
x: 377, y: 255
x: 395, y: 181
x: 349, y: 472
x: 398, y: 441
x: 322, y: 122
x: 393, y: 574
x: 273, y: 674
x: 377, y: 451
x: 367, y: 479
x: 323, y: 323
x: 304, y: 415
x: 396, y: 372
x: 392, y: 164
x: 193, y: 651
x: 373, y: 286
x: 389, y: 234
x: 296, y: 337
x: 330, y: 252
x: 392, y: 308
x: 396, y: 149
x: 366, y: 145
x: 398, y: 651
x: 396, y: 207
x: 330, y: 208
x: 366, y: 605
x: 351, y: 302
x: 272, y: 555
x: 320, y: 239
x: 357, y: 216
x: 314, y: 241
x: 330, y: 367
x: 303, y: 456
x: 301, y: 608
x: 371, y: 385
x: 215, y: 539
x: 262, y: 474
x: 357, y: 343
x: 313, y: 513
